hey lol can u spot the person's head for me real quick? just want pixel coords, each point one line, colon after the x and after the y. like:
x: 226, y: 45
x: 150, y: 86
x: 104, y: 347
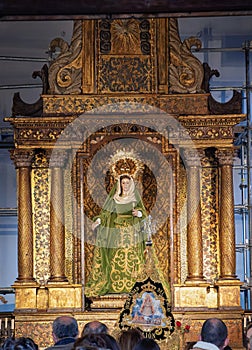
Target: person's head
x: 94, y: 341
x: 25, y: 344
x: 19, y: 344
x: 8, y: 343
x: 215, y: 331
x: 146, y: 344
x: 248, y: 337
x: 125, y: 183
x: 94, y: 327
x: 64, y: 327
x: 128, y: 338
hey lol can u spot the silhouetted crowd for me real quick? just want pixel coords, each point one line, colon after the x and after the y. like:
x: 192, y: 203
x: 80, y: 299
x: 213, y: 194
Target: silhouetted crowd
x: 95, y: 336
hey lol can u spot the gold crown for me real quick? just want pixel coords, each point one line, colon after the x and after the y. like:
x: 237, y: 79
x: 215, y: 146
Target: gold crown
x: 149, y: 287
x: 126, y: 162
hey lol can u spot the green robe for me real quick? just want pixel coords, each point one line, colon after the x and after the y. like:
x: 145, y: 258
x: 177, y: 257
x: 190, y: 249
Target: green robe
x: 119, y: 251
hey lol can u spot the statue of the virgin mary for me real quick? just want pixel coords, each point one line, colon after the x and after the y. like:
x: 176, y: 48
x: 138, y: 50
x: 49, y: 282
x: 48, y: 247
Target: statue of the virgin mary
x: 120, y: 243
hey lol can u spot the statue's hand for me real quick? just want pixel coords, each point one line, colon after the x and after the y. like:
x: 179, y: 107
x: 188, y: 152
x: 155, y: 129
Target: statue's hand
x: 96, y: 224
x: 137, y: 213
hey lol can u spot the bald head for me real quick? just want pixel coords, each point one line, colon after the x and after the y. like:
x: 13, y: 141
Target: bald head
x: 94, y: 327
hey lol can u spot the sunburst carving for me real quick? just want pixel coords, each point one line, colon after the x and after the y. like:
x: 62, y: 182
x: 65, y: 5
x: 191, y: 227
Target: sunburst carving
x: 125, y: 36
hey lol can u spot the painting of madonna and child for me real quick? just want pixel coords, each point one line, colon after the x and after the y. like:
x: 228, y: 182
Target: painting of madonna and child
x: 147, y: 310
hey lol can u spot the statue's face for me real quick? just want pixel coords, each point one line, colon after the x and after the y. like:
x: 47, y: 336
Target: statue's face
x: 125, y: 183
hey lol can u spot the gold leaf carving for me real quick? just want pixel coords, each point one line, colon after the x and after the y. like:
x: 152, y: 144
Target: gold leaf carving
x: 65, y: 71
x: 186, y: 71
x: 41, y: 220
x: 125, y: 36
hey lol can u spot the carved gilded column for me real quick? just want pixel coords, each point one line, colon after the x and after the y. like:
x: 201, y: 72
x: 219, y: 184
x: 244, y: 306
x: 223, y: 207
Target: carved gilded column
x: 22, y: 160
x: 194, y: 232
x: 57, y: 225
x: 227, y: 226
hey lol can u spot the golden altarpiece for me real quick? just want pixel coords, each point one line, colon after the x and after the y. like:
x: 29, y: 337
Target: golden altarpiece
x: 125, y: 85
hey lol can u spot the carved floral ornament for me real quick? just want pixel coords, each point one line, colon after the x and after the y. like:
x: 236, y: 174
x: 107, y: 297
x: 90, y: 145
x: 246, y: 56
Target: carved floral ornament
x: 120, y: 55
x: 126, y: 37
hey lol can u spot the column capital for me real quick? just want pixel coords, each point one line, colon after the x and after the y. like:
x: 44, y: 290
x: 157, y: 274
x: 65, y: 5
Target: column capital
x: 58, y: 158
x: 192, y: 157
x: 225, y: 156
x: 22, y: 158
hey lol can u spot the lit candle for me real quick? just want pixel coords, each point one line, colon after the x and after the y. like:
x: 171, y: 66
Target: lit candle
x: 6, y: 322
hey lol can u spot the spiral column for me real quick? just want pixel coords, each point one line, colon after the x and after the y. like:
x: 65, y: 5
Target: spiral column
x: 227, y: 224
x: 194, y: 232
x: 22, y: 160
x: 57, y: 225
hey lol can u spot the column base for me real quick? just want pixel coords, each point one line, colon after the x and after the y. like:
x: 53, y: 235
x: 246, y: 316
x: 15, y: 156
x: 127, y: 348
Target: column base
x: 58, y: 279
x: 195, y: 280
x: 20, y: 281
x: 192, y: 295
x: 49, y: 297
x: 25, y: 295
x: 229, y: 293
x: 64, y: 296
x: 223, y: 295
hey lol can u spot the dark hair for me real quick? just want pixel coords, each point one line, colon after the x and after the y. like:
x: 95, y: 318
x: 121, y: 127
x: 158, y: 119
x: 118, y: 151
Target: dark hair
x: 146, y: 344
x: 129, y: 338
x: 94, y: 327
x: 19, y: 344
x: 8, y: 343
x: 189, y: 345
x: 214, y: 331
x: 94, y: 341
x: 65, y: 326
x: 245, y: 338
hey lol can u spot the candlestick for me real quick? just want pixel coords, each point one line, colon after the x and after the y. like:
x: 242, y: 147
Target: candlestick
x: 12, y: 323
x: 6, y: 323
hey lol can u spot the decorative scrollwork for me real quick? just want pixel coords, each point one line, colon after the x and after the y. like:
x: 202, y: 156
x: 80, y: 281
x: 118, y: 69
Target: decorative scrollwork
x: 65, y: 71
x: 105, y: 37
x: 186, y: 71
x: 208, y: 74
x: 145, y: 37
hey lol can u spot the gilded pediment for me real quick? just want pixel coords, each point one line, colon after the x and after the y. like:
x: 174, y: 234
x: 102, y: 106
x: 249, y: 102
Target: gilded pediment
x: 136, y: 55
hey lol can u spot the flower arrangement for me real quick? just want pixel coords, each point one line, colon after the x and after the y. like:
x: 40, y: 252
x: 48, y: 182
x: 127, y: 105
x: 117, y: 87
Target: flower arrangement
x: 176, y: 340
x: 180, y: 328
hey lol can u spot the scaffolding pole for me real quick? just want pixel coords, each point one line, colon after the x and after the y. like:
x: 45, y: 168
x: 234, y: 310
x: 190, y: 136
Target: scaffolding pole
x: 247, y: 48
